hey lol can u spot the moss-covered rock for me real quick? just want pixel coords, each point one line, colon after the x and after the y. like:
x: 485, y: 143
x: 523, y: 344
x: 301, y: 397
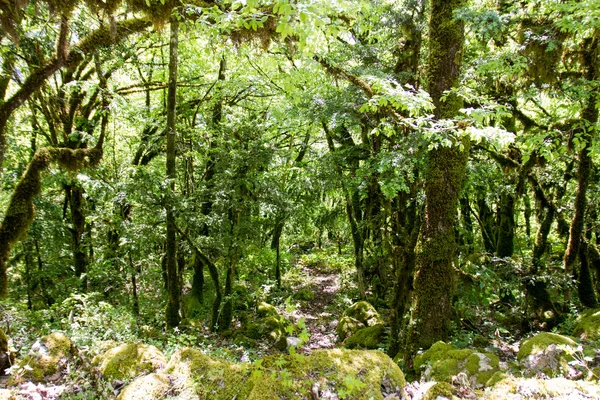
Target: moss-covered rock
x: 530, y: 388
x: 46, y: 355
x: 266, y: 310
x: 148, y: 387
x: 443, y: 361
x: 365, y: 313
x: 130, y: 360
x: 358, y: 374
x: 347, y: 326
x: 441, y: 390
x: 548, y: 353
x: 271, y: 327
x: 192, y: 374
x: 366, y: 338
x: 201, y: 376
x: 588, y: 325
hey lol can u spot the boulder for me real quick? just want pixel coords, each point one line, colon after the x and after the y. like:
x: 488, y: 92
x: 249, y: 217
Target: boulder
x: 353, y: 374
x: 440, y: 391
x: 266, y: 310
x: 547, y: 353
x: 48, y: 356
x: 588, y: 325
x: 347, y: 326
x: 365, y: 313
x: 366, y: 338
x: 130, y: 360
x: 443, y: 361
x: 153, y: 386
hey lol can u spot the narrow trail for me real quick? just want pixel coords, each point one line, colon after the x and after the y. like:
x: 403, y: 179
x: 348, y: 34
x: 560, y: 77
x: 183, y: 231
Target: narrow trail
x: 319, y: 314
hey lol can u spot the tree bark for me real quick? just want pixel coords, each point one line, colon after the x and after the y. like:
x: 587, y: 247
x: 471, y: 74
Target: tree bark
x: 432, y: 307
x: 173, y: 290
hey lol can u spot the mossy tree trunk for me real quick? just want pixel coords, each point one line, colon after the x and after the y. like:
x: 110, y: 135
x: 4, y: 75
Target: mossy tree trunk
x: 430, y: 320
x: 173, y: 289
x: 486, y: 225
x: 587, y: 130
x: 77, y: 230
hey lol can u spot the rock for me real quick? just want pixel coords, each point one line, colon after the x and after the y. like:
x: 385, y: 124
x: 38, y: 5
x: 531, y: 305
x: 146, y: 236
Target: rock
x: 530, y: 388
x: 347, y: 326
x: 47, y: 356
x: 356, y: 373
x: 440, y: 391
x: 241, y: 340
x: 548, y: 353
x: 443, y: 361
x: 254, y: 330
x: 190, y: 374
x: 366, y: 338
x: 588, y: 325
x: 198, y: 375
x: 266, y: 310
x: 365, y: 313
x: 153, y: 386
x: 130, y: 360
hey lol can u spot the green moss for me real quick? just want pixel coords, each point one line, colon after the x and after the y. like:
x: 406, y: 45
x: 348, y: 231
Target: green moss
x: 347, y: 326
x: 495, y: 378
x: 588, y: 325
x: 254, y: 331
x: 129, y: 360
x: 445, y: 361
x: 541, y: 341
x: 45, y: 354
x: 365, y: 313
x: 440, y: 389
x: 366, y: 338
x: 266, y: 310
x: 149, y: 387
x: 208, y: 377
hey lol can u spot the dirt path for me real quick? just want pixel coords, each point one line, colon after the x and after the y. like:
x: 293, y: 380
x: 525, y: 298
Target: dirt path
x: 320, y: 316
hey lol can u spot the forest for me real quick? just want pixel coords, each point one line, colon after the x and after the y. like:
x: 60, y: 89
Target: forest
x: 299, y: 199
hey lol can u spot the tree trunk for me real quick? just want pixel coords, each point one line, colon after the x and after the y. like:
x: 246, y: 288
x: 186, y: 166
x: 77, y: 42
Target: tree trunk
x: 590, y: 117
x: 174, y: 291
x: 585, y: 283
x: 77, y: 229
x: 277, y: 231
x: 505, y: 245
x: 446, y: 168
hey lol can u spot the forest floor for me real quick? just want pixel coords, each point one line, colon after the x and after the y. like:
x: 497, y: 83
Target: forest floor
x: 319, y: 313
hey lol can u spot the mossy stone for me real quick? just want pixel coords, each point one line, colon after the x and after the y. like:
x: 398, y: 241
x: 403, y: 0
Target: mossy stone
x: 538, y: 343
x: 366, y: 338
x: 254, y: 330
x: 443, y: 361
x: 206, y: 377
x: 365, y: 313
x: 441, y: 390
x: 244, y: 341
x: 149, y: 387
x: 266, y: 310
x: 495, y: 378
x: 45, y: 355
x: 588, y: 325
x: 347, y: 326
x: 545, y: 352
x: 130, y: 360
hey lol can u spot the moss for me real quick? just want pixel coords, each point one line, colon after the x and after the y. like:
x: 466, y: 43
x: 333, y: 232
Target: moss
x: 441, y: 389
x: 366, y: 338
x: 45, y: 355
x: 266, y: 310
x: 347, y: 326
x: 129, y: 360
x: 149, y: 387
x: 445, y: 361
x: 540, y: 342
x: 365, y: 313
x: 208, y: 377
x: 495, y: 378
x: 254, y: 331
x: 244, y: 341
x: 588, y: 325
